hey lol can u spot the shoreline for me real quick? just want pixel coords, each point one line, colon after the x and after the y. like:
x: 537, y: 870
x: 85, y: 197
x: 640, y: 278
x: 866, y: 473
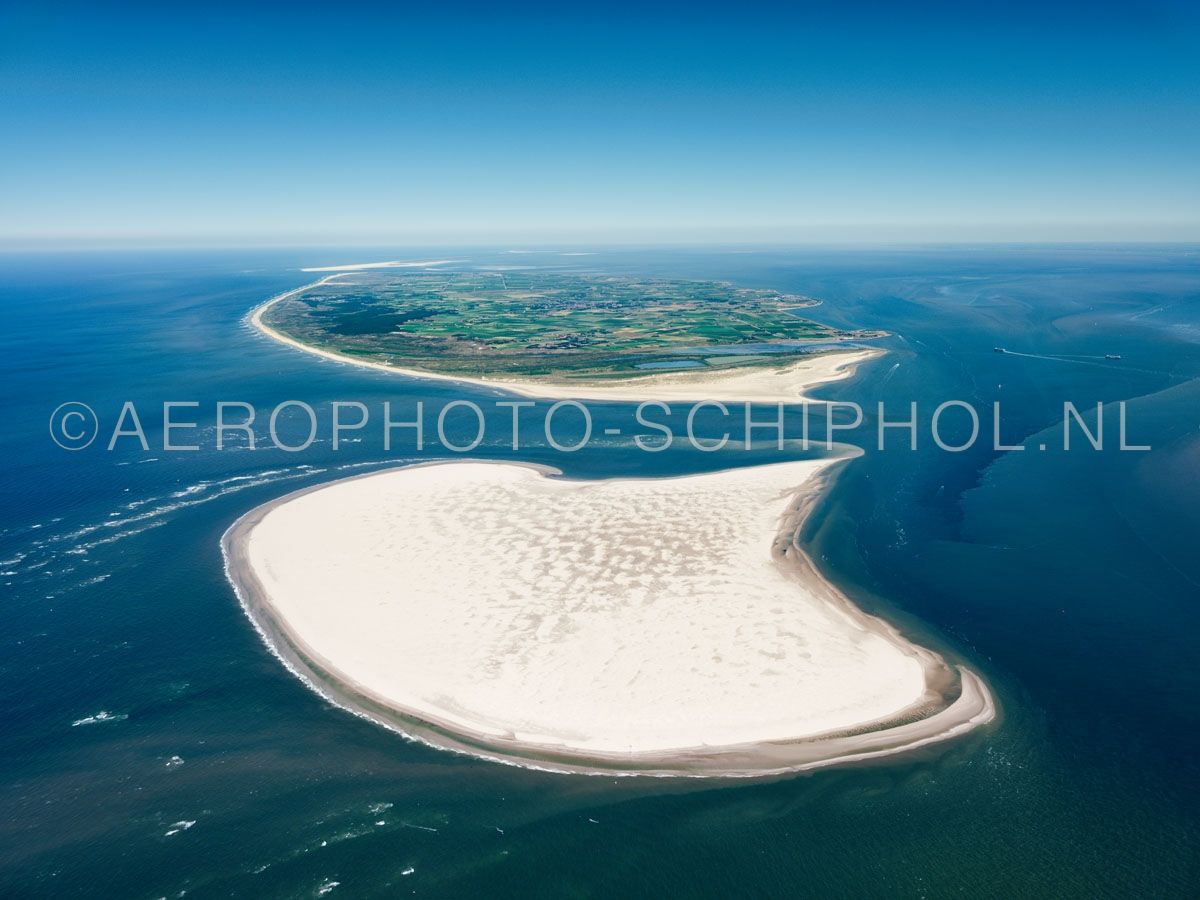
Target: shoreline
x: 753, y: 384
x: 954, y: 701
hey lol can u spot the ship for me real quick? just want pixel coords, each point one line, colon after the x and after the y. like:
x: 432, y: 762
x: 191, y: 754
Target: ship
x: 1112, y: 355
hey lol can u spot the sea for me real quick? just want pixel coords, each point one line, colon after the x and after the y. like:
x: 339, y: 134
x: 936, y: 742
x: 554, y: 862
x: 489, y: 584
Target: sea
x: 152, y: 746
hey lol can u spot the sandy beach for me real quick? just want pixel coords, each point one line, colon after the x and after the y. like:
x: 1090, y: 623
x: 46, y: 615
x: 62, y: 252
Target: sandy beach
x: 754, y: 384
x: 659, y: 626
x: 390, y: 264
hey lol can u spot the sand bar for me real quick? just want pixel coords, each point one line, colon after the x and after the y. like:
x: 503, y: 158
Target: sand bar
x: 391, y: 264
x: 659, y: 626
x: 786, y: 383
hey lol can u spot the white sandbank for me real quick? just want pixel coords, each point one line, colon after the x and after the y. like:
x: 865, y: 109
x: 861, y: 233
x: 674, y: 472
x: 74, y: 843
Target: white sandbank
x: 756, y: 384
x: 661, y: 626
x: 392, y: 264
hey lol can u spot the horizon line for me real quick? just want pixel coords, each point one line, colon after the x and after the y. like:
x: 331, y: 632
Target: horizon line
x: 516, y: 246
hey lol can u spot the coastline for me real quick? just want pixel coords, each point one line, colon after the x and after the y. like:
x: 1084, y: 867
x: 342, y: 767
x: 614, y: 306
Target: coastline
x: 758, y: 384
x: 954, y: 700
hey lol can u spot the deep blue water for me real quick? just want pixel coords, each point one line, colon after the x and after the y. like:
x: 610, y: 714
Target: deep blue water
x: 1069, y: 579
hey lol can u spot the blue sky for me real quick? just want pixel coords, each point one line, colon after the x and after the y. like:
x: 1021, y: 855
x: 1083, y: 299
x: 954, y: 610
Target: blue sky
x: 345, y: 123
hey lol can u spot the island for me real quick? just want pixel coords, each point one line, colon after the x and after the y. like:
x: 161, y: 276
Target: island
x: 557, y: 334
x: 665, y: 626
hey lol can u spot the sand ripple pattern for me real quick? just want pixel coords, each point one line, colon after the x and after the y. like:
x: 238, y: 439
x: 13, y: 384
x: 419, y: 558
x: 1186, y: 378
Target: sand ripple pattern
x: 623, y: 615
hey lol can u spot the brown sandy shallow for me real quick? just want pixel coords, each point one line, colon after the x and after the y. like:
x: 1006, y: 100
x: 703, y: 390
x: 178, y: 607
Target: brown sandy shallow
x: 955, y: 702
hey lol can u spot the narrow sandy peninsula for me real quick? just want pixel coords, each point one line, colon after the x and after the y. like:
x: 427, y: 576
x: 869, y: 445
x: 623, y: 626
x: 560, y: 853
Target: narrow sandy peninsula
x: 663, y: 626
x: 390, y: 264
x: 787, y: 383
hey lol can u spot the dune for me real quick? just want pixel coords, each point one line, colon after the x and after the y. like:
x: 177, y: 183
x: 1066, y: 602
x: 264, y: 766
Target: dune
x: 656, y: 626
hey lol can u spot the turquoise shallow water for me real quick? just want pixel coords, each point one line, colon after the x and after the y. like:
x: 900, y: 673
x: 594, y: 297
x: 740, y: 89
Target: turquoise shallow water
x: 1068, y: 579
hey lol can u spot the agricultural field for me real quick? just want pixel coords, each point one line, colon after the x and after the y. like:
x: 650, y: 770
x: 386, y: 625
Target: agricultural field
x: 531, y: 324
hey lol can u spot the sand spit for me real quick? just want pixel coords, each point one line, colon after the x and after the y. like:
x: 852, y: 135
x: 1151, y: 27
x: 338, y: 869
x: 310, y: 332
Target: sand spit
x: 663, y: 626
x: 393, y: 264
x: 757, y: 384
